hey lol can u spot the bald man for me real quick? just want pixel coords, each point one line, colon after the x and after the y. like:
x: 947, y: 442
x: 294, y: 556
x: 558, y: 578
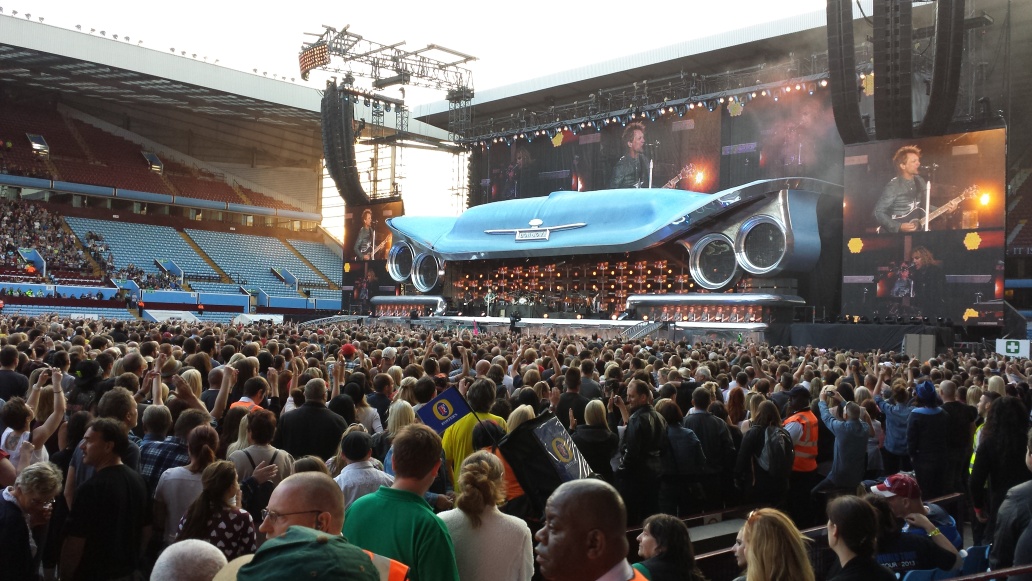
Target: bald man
x: 308, y: 499
x: 585, y: 534
x: 313, y: 500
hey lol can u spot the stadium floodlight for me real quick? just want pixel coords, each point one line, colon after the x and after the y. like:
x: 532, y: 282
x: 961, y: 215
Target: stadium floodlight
x: 28, y: 16
x: 41, y: 19
x: 78, y: 27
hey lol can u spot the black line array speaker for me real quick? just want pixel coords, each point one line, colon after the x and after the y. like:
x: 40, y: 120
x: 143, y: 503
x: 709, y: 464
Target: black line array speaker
x: 893, y: 32
x: 949, y: 51
x: 339, y: 144
x: 845, y: 99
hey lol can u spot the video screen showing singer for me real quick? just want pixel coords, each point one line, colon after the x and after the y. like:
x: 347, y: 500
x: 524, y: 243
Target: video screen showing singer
x: 632, y: 170
x: 901, y: 207
x: 366, y: 246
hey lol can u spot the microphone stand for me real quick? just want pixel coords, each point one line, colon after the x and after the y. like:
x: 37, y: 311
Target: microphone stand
x: 928, y: 196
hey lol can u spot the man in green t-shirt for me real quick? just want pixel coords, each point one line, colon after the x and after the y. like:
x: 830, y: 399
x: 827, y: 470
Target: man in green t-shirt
x: 396, y: 522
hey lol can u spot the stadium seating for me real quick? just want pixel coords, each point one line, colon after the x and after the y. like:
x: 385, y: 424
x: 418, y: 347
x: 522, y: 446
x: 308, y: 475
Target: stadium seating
x: 321, y: 256
x: 318, y: 293
x: 17, y: 120
x: 252, y: 257
x: 142, y: 244
x: 123, y: 163
x: 72, y: 312
x: 214, y: 287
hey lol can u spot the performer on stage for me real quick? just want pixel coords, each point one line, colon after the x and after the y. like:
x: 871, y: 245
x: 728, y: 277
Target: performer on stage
x: 929, y: 283
x: 899, y: 209
x: 632, y: 171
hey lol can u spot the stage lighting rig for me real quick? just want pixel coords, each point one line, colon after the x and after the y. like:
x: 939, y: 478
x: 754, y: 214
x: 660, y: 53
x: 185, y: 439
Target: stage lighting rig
x: 432, y: 66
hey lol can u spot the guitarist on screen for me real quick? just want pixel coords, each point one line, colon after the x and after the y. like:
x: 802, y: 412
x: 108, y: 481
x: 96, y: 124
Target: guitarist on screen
x: 904, y: 195
x: 632, y: 170
x: 366, y: 247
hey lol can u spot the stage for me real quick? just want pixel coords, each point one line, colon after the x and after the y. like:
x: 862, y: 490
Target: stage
x: 866, y: 337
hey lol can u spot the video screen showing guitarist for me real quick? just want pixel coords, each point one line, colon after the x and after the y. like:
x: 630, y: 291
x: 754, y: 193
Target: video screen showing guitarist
x: 901, y: 205
x: 633, y: 169
x: 366, y: 246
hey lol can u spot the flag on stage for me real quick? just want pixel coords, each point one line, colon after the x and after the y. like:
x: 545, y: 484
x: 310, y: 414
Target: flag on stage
x: 444, y: 410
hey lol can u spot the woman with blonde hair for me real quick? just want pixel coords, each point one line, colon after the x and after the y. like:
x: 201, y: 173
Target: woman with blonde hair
x: 241, y: 439
x: 772, y: 548
x: 399, y: 415
x: 478, y: 529
x: 595, y: 440
x: 407, y: 391
x: 192, y: 377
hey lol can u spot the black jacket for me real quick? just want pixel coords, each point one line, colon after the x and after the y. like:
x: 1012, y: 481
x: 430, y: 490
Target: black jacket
x: 716, y: 441
x: 598, y: 446
x: 1012, y: 519
x: 643, y: 441
x: 310, y: 429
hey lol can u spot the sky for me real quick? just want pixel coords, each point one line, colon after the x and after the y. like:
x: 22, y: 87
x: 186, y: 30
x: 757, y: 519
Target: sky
x: 513, y: 42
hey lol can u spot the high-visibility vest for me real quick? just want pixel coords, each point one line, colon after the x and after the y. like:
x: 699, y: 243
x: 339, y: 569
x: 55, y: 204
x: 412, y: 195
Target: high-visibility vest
x: 974, y: 447
x: 389, y: 569
x: 806, y: 448
x: 250, y: 405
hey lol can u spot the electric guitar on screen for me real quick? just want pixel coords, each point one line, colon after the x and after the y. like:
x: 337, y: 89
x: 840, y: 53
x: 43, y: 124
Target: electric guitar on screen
x: 916, y: 215
x: 368, y: 252
x: 687, y: 172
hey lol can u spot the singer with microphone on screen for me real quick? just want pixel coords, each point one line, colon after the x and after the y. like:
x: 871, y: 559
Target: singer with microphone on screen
x: 902, y: 205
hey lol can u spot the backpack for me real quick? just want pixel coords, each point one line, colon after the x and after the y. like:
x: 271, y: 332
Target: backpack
x: 257, y: 501
x: 778, y: 452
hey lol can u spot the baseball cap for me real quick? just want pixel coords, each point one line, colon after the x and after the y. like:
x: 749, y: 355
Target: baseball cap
x: 390, y: 353
x: 347, y: 350
x: 304, y: 553
x: 898, y: 485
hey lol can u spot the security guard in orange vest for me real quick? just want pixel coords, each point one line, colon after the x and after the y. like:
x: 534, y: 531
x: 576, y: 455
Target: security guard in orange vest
x: 802, y: 425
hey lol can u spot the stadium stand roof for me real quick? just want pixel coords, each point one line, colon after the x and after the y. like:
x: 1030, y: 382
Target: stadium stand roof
x: 52, y: 58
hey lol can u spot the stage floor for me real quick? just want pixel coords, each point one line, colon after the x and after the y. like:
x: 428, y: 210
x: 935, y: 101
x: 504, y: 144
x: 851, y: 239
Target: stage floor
x: 841, y: 336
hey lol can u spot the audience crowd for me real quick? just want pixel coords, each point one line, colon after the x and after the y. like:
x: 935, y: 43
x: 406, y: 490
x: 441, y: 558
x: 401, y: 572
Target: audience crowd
x: 123, y: 441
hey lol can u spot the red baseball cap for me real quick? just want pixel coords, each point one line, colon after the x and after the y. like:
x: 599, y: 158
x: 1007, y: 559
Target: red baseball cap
x: 898, y: 485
